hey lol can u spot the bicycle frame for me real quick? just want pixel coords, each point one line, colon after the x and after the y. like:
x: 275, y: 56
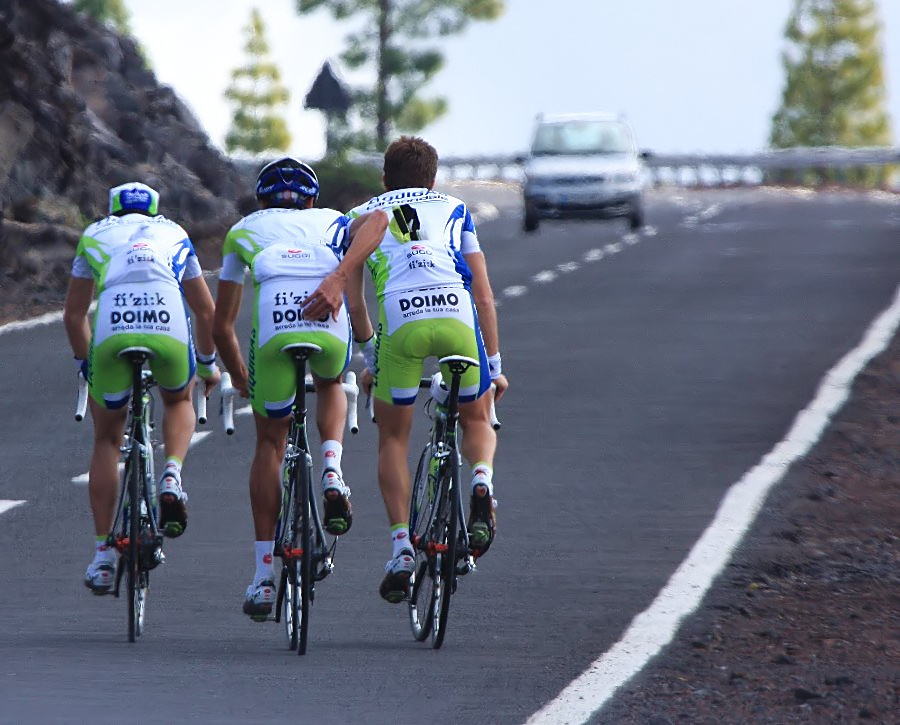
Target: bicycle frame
x: 306, y: 550
x: 135, y: 532
x: 437, y: 522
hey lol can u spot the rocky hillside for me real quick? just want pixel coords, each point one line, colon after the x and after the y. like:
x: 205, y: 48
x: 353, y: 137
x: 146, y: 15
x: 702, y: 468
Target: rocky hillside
x: 80, y: 112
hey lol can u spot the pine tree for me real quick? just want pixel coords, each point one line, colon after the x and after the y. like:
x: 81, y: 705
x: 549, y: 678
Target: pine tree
x: 834, y: 92
x: 391, y: 43
x: 257, y: 93
x: 112, y: 12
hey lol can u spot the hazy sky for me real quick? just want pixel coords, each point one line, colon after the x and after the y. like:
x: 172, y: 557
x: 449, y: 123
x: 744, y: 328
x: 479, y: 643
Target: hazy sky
x: 691, y: 75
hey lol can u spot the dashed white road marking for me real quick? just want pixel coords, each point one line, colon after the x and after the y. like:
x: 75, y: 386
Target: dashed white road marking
x: 82, y: 478
x: 544, y: 277
x: 567, y: 267
x: 656, y: 626
x: 515, y: 291
x: 593, y: 255
x: 7, y: 504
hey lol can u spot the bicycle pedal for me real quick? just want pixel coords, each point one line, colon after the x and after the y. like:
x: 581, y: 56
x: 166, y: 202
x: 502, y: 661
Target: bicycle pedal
x: 464, y: 566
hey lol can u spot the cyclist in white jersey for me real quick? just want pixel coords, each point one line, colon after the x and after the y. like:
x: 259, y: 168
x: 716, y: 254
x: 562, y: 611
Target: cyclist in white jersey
x: 434, y: 299
x: 286, y: 247
x: 144, y: 268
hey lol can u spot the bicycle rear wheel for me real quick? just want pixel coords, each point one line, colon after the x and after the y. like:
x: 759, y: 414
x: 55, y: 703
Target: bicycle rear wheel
x: 307, y: 583
x: 446, y: 532
x: 421, y: 511
x: 287, y: 602
x: 132, y: 554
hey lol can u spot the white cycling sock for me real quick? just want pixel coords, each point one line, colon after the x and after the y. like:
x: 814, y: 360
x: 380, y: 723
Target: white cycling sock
x: 482, y: 475
x: 332, y: 451
x: 264, y: 567
x: 173, y: 466
x: 399, y: 539
x: 103, y: 552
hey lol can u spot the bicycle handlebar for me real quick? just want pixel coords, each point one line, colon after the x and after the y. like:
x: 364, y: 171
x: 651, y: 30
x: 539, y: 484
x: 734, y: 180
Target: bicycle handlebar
x: 81, y: 399
x: 201, y: 403
x: 228, y: 393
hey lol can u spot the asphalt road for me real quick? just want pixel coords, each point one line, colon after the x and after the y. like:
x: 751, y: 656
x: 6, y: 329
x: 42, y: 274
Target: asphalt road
x: 648, y: 373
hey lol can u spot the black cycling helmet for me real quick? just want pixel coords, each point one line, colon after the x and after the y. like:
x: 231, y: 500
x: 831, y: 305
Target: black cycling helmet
x: 287, y: 179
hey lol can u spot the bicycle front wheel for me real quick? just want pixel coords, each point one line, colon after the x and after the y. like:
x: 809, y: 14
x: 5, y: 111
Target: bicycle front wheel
x: 447, y: 530
x: 421, y: 512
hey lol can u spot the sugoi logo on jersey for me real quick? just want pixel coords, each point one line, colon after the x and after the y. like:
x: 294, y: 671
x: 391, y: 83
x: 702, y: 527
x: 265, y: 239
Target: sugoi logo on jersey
x: 418, y: 256
x: 429, y: 303
x: 140, y: 252
x: 295, y: 254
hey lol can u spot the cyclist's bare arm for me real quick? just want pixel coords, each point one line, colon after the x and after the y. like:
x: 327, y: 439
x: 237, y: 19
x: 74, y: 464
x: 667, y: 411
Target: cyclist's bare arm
x: 366, y: 233
x: 199, y: 299
x: 483, y: 296
x: 75, y: 315
x: 356, y: 306
x: 228, y: 305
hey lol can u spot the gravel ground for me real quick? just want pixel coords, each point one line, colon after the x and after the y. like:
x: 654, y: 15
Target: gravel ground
x: 804, y: 625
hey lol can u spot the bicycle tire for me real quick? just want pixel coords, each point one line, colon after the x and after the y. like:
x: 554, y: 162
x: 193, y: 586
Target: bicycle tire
x: 448, y: 523
x: 133, y: 558
x: 307, y: 584
x: 288, y: 599
x: 287, y: 593
x: 422, y: 585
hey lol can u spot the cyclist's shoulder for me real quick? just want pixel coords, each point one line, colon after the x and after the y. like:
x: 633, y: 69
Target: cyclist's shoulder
x: 412, y: 196
x: 277, y: 220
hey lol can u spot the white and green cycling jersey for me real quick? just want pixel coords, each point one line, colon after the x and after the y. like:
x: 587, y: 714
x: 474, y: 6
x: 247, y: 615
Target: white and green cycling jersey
x: 137, y: 263
x: 288, y: 252
x: 428, y: 234
x: 422, y: 283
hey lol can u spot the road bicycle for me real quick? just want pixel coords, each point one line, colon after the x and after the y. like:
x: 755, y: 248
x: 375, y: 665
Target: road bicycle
x: 135, y: 532
x: 305, y: 549
x: 437, y: 521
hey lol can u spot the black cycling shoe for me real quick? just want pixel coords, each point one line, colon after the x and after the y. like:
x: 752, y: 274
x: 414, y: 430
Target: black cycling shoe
x: 482, y: 522
x: 338, y: 514
x: 172, y: 509
x: 172, y: 515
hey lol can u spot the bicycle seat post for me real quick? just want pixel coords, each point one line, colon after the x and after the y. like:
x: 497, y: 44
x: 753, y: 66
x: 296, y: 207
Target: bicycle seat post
x: 300, y: 353
x: 137, y: 356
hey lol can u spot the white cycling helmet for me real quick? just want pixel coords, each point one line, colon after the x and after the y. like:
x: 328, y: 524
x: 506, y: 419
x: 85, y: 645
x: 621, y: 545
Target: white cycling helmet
x: 134, y: 197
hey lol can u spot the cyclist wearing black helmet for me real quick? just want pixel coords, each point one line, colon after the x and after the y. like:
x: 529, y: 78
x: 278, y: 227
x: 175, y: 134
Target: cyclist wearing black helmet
x: 144, y: 268
x: 286, y: 245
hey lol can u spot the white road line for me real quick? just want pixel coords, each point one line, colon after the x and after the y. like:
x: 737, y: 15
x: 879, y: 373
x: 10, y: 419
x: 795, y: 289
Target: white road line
x: 515, y: 291
x: 593, y: 255
x: 544, y: 277
x: 7, y: 504
x: 46, y: 319
x: 654, y: 628
x: 82, y: 478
